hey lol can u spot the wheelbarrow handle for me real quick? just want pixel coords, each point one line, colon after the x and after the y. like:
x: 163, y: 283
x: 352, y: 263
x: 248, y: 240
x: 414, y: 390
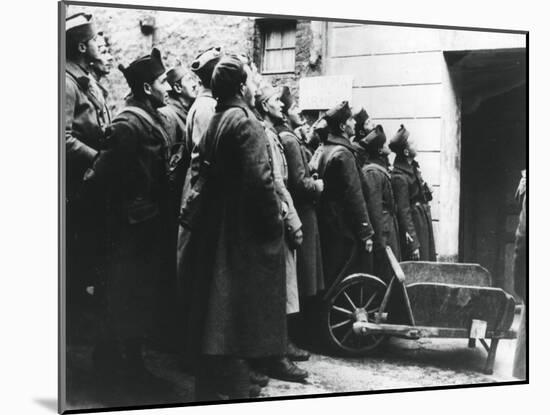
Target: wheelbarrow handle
x: 397, y: 270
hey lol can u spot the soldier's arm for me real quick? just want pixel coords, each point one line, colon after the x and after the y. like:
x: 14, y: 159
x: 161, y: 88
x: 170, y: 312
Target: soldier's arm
x: 373, y: 197
x: 302, y: 186
x: 257, y: 174
x: 76, y: 150
x: 403, y: 208
x: 111, y: 163
x: 291, y: 219
x: 353, y: 199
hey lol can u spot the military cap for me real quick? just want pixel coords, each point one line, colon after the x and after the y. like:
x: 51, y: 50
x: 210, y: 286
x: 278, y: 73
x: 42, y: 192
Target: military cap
x: 144, y: 69
x: 399, y: 140
x: 338, y: 114
x: 80, y: 28
x: 287, y: 99
x: 174, y: 75
x: 228, y: 75
x: 265, y: 91
x: 361, y: 117
x: 204, y: 63
x: 375, y: 139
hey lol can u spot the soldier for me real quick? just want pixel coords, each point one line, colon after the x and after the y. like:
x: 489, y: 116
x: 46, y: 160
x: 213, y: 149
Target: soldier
x: 86, y: 116
x: 131, y: 173
x: 182, y: 93
x: 305, y: 191
x: 269, y: 107
x: 235, y: 284
x: 204, y: 106
x: 344, y: 224
x: 520, y: 276
x: 412, y: 196
x: 363, y: 126
x: 197, y: 121
x: 380, y: 201
x: 102, y: 66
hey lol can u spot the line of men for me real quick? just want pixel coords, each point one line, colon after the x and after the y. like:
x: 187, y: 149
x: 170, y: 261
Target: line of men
x: 286, y: 210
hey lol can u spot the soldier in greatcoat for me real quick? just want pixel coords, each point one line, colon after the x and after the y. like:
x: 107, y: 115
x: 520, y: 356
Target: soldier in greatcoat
x: 412, y: 197
x: 131, y: 173
x: 344, y: 225
x: 305, y: 191
x: 182, y: 93
x: 198, y: 118
x: 234, y: 288
x: 86, y: 116
x: 269, y: 107
x: 380, y: 201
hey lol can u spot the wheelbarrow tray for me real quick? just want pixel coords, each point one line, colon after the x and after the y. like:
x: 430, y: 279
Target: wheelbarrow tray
x: 447, y: 301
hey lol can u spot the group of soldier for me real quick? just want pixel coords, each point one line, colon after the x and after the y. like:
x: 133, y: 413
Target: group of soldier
x: 215, y: 218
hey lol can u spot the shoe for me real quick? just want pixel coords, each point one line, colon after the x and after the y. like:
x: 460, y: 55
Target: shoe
x: 283, y: 369
x: 295, y: 353
x: 258, y: 378
x: 254, y: 390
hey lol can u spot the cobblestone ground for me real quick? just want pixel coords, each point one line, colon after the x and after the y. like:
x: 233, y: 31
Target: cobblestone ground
x: 402, y: 364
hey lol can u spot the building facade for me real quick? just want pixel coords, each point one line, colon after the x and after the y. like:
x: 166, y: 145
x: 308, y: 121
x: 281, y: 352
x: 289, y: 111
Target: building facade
x: 461, y: 94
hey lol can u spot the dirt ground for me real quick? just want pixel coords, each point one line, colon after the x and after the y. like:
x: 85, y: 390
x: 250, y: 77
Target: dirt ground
x: 402, y: 364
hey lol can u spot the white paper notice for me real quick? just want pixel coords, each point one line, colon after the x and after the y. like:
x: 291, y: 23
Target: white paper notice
x: 324, y: 92
x: 478, y: 330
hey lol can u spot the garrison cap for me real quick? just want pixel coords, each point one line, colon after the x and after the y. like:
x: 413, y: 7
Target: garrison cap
x: 175, y: 74
x: 79, y: 28
x: 361, y: 117
x: 204, y: 63
x: 338, y: 114
x: 374, y: 139
x: 287, y: 99
x: 264, y: 92
x: 399, y: 140
x: 228, y: 74
x: 144, y: 69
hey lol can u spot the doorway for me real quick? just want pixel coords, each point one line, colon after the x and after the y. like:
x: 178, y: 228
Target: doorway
x: 493, y: 93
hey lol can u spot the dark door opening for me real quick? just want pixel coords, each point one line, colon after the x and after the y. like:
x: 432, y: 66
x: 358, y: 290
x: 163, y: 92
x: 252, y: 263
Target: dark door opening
x: 493, y: 153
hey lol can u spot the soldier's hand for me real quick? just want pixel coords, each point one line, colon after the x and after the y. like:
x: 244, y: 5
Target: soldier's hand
x: 368, y: 245
x: 319, y: 185
x: 298, y: 238
x: 284, y: 209
x: 415, y: 256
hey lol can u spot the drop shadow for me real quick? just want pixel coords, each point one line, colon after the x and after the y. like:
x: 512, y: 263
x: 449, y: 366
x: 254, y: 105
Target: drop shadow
x: 48, y: 403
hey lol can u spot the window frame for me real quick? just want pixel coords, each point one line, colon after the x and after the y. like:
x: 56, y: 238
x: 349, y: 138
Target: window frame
x: 280, y: 26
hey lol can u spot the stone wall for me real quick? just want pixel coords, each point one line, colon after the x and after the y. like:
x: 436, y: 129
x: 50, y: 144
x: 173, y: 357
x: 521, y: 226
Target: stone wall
x: 181, y: 36
x: 308, y: 58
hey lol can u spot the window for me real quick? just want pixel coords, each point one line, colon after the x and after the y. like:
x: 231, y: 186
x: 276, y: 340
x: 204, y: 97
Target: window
x: 279, y: 50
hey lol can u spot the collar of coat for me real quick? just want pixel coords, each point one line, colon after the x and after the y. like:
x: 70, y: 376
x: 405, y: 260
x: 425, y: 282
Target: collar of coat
x: 178, y: 100
x: 378, y: 164
x: 147, y: 107
x: 401, y: 164
x: 236, y: 101
x: 81, y: 76
x: 205, y: 92
x: 339, y: 140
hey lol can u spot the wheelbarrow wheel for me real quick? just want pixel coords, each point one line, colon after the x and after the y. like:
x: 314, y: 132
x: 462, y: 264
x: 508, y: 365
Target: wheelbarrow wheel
x: 356, y: 298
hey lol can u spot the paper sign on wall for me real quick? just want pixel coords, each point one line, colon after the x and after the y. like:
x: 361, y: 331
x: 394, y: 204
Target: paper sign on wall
x: 323, y: 92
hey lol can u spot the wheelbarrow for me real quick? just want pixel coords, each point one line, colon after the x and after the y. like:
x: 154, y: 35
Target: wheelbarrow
x: 422, y: 300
